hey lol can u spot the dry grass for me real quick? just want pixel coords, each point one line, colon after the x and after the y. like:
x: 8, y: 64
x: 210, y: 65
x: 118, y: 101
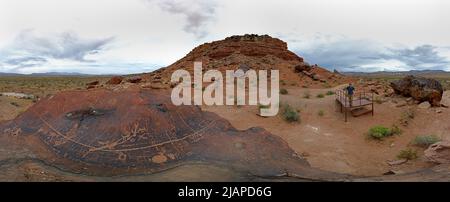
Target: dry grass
x: 43, y: 86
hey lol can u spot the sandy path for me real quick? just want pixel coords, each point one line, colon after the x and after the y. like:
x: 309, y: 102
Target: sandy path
x: 331, y: 144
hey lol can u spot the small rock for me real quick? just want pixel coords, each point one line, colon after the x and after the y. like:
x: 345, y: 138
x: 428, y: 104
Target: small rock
x: 93, y: 83
x: 401, y: 104
x: 393, y: 172
x: 438, y: 111
x: 424, y: 105
x: 396, y: 162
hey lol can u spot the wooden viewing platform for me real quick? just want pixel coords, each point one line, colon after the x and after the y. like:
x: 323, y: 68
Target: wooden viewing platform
x: 357, y: 106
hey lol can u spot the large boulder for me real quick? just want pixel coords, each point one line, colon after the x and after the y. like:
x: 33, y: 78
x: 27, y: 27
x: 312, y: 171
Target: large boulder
x: 421, y: 89
x: 115, y: 80
x: 439, y: 152
x: 134, y: 130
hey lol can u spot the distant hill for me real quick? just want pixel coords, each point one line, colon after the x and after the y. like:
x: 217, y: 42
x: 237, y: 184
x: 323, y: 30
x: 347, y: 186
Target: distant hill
x: 431, y: 73
x: 50, y: 74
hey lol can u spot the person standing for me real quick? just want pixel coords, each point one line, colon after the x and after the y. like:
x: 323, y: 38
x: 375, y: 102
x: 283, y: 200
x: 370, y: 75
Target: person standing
x: 350, y: 90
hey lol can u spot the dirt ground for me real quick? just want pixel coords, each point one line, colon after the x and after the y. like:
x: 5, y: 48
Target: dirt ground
x: 10, y: 107
x: 327, y: 142
x: 331, y: 144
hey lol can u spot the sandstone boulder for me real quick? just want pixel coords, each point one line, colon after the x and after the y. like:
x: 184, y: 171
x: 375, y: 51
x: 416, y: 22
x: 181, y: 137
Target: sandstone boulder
x: 421, y: 89
x: 439, y: 152
x: 115, y: 80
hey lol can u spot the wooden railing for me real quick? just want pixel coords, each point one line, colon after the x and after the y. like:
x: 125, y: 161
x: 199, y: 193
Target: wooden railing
x: 342, y: 96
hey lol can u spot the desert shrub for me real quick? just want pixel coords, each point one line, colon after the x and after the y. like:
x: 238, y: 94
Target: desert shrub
x: 260, y: 106
x: 283, y: 91
x: 282, y: 82
x: 321, y: 113
x: 289, y: 114
x: 326, y: 85
x: 408, y: 154
x: 407, y: 116
x: 379, y: 132
x: 330, y: 92
x: 320, y: 95
x: 395, y: 130
x: 425, y: 140
x: 306, y: 95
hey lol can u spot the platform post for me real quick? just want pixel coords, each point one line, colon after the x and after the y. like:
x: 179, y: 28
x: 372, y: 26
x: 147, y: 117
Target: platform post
x: 372, y: 104
x: 345, y: 114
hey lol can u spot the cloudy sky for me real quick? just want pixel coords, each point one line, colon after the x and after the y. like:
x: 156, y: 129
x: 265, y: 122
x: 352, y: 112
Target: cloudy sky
x: 131, y: 36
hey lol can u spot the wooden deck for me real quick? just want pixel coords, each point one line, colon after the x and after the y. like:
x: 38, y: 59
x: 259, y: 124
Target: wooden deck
x: 358, y: 102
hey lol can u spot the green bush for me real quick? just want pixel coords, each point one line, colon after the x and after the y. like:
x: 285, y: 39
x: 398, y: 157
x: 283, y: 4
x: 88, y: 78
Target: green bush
x: 395, y: 130
x: 379, y: 132
x: 320, y: 95
x: 289, y: 114
x: 283, y: 91
x: 426, y: 140
x: 330, y: 92
x: 407, y: 154
x: 321, y: 113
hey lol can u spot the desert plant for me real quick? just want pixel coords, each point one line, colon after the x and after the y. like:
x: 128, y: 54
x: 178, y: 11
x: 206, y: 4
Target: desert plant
x: 408, y: 154
x: 321, y: 113
x: 283, y: 91
x: 289, y: 114
x: 425, y: 140
x: 326, y: 85
x: 406, y: 116
x: 379, y: 132
x: 330, y: 92
x: 320, y: 95
x: 395, y: 130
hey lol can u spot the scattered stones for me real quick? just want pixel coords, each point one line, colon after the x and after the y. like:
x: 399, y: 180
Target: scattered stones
x: 154, y: 86
x: 115, y: 80
x: 438, y: 152
x: 134, y: 79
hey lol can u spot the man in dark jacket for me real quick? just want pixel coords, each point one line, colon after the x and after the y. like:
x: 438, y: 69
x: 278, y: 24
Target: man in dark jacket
x: 350, y: 89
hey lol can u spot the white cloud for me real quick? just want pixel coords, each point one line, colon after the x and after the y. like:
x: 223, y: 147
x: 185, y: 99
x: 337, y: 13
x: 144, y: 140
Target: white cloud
x: 154, y: 33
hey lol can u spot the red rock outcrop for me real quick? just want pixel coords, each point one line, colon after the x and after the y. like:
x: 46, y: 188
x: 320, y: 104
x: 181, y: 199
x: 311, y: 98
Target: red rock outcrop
x: 258, y: 53
x: 109, y: 132
x: 420, y: 88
